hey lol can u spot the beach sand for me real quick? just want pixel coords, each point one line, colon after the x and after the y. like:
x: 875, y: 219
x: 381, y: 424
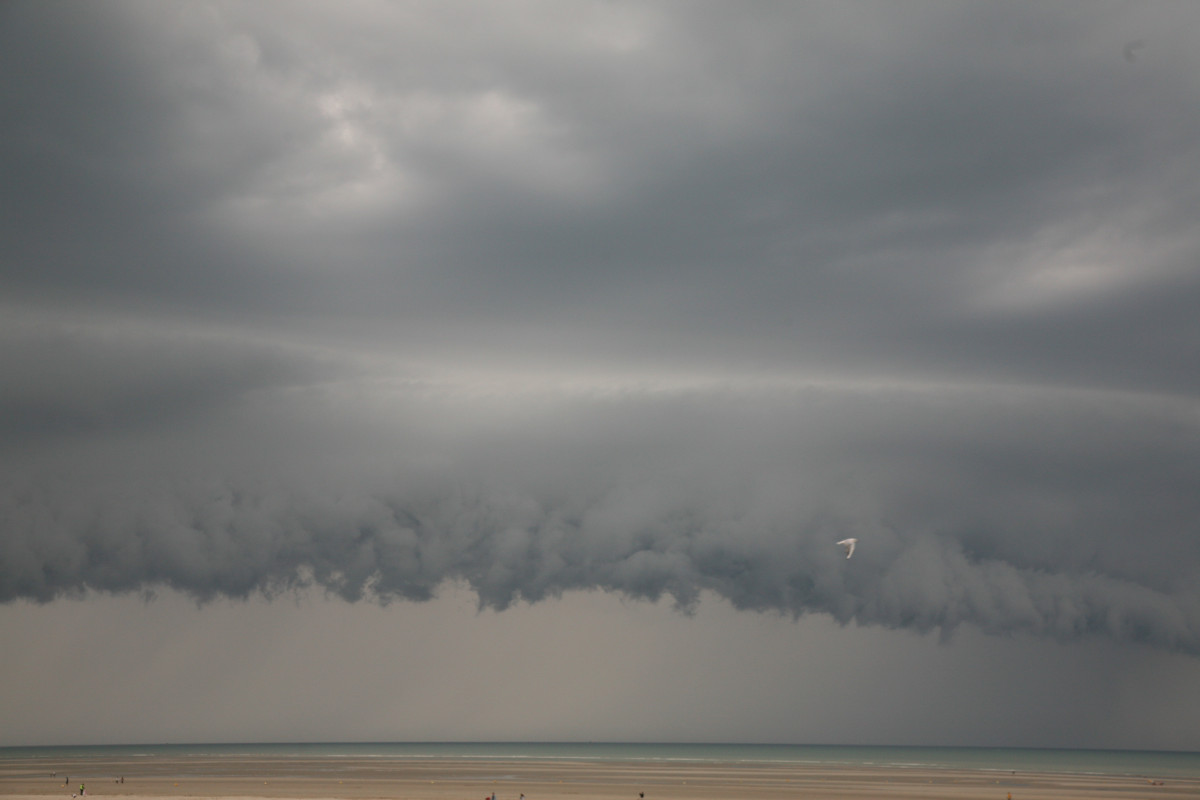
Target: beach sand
x: 238, y: 777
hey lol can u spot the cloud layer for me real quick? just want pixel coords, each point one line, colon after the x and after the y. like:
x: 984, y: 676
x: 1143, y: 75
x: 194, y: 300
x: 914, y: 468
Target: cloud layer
x: 649, y: 299
x: 1046, y: 511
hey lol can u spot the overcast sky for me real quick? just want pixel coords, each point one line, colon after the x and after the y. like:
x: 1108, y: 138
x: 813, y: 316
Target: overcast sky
x: 429, y: 371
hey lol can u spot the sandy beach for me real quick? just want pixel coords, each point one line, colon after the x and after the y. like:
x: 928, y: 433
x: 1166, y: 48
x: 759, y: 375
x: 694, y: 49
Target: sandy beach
x: 474, y: 779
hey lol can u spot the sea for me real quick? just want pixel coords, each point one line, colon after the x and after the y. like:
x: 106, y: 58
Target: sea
x: 1160, y: 764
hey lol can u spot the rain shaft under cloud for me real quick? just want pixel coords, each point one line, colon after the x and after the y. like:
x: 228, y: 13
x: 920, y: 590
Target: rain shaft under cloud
x: 654, y: 299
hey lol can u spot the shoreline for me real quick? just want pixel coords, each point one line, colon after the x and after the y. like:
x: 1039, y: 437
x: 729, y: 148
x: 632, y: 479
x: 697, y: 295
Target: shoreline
x: 997, y: 759
x: 457, y: 778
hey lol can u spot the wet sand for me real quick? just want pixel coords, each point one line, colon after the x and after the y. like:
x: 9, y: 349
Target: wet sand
x: 152, y: 778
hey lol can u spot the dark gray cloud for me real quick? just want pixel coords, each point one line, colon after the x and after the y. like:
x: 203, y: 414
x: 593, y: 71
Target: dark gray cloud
x: 646, y: 298
x: 1010, y: 511
x: 794, y: 186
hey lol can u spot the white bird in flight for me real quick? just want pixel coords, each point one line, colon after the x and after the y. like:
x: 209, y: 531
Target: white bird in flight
x: 848, y: 546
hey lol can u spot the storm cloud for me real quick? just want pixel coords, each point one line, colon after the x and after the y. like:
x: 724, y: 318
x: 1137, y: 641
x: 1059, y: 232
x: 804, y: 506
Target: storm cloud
x: 1039, y: 511
x: 653, y: 299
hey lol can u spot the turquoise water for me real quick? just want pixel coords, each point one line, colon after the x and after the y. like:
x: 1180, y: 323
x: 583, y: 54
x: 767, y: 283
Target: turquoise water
x: 1120, y: 762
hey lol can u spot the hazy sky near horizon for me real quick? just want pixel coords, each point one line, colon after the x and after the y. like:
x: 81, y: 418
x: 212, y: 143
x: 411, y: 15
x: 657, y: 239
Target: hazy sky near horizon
x: 508, y: 371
